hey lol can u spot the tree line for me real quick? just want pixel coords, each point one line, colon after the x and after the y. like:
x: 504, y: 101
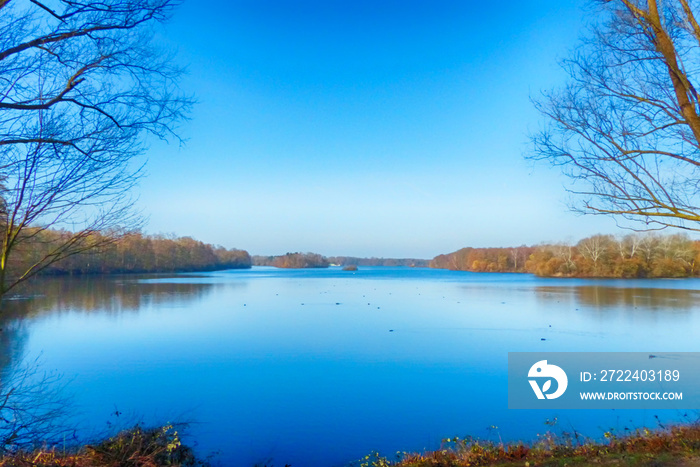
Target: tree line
x: 628, y: 256
x: 133, y: 253
x: 390, y: 262
x: 315, y: 260
x: 293, y: 261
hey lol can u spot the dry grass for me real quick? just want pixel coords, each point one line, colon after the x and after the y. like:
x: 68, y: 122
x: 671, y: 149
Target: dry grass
x: 677, y: 446
x: 673, y: 446
x: 136, y: 447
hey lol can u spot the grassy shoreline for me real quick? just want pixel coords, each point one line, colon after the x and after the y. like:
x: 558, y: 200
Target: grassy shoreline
x: 677, y: 445
x: 136, y: 447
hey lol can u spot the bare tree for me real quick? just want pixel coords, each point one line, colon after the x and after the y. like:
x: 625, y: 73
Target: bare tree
x: 34, y: 410
x: 595, y: 248
x: 649, y: 247
x: 515, y: 256
x: 626, y: 127
x: 82, y: 86
x: 628, y: 245
x: 677, y: 248
x: 565, y: 252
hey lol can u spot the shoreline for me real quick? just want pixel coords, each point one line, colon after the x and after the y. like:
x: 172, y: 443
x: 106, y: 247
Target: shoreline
x: 676, y: 445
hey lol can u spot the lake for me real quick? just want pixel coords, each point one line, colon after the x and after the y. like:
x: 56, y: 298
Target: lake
x: 320, y: 367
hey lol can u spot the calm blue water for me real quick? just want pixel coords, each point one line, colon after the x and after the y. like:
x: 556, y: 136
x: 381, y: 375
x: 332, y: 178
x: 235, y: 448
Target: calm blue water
x: 320, y: 367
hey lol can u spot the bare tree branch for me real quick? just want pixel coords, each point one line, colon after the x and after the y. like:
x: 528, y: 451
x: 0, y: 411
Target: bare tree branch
x: 626, y: 127
x: 81, y: 86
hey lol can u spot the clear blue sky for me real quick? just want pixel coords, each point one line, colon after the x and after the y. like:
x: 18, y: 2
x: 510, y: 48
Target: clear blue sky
x: 368, y: 128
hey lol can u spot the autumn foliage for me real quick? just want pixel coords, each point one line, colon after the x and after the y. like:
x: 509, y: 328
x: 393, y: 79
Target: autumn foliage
x: 629, y: 256
x: 389, y: 262
x: 133, y: 253
x: 485, y: 259
x: 293, y: 261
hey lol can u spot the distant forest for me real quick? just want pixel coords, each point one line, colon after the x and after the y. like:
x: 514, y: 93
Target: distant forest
x: 292, y: 260
x: 314, y: 260
x: 629, y: 256
x: 136, y: 253
x: 353, y: 261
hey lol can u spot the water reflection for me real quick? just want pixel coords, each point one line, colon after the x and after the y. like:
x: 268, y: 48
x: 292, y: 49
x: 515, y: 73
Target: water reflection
x: 109, y: 295
x: 106, y: 294
x: 634, y: 299
x: 13, y: 335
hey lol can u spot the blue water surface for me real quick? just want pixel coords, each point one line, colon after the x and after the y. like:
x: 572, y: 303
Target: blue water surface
x: 319, y: 367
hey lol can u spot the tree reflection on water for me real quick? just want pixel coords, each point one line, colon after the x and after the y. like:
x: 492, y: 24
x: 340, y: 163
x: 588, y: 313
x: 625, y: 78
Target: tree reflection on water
x: 634, y: 299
